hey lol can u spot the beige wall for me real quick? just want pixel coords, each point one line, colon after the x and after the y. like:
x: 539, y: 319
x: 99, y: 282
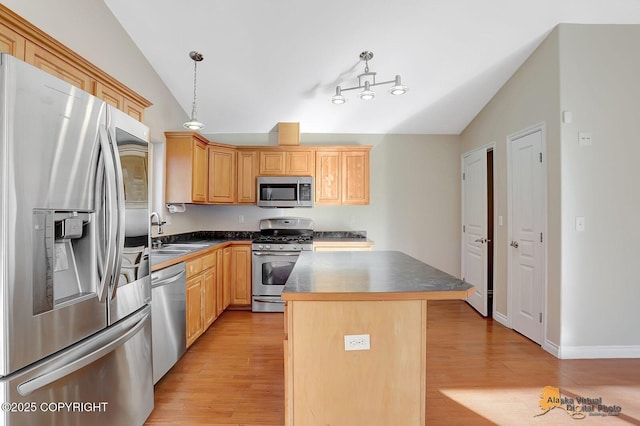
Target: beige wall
x: 600, y: 71
x: 530, y: 97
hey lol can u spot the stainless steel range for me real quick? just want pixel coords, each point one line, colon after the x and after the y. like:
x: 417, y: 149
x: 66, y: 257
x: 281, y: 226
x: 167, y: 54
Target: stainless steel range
x: 275, y: 253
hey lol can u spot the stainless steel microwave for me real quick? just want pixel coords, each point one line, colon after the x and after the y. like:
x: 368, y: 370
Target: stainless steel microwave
x: 285, y: 191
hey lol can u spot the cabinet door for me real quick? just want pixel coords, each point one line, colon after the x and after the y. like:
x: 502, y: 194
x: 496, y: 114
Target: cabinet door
x: 355, y: 177
x: 272, y: 162
x: 133, y: 109
x: 209, y: 296
x: 194, y: 308
x: 109, y: 95
x: 327, y: 181
x: 199, y: 173
x: 47, y: 61
x: 299, y: 163
x: 11, y: 42
x: 227, y: 276
x: 220, y: 307
x: 247, y: 172
x: 222, y: 175
x: 241, y: 275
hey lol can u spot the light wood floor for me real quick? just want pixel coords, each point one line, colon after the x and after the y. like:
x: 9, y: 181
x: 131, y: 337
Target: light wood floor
x: 478, y: 372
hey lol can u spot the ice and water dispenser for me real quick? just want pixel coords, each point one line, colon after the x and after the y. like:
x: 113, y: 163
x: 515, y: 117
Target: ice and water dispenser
x: 65, y: 258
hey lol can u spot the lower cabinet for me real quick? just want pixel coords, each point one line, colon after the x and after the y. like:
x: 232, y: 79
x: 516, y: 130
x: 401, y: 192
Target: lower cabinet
x: 202, y: 286
x: 241, y: 275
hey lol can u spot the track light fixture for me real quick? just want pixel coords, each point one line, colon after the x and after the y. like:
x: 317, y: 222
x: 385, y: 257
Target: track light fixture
x: 366, y: 81
x: 193, y: 123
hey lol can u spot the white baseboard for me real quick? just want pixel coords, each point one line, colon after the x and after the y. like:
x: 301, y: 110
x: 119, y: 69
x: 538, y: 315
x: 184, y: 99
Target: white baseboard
x: 595, y: 352
x: 501, y: 318
x: 552, y: 348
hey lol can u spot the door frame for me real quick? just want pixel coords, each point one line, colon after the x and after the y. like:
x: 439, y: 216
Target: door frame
x: 487, y: 147
x: 542, y: 127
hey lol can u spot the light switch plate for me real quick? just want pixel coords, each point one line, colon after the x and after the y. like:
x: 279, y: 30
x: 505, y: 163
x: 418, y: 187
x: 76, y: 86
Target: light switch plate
x: 579, y: 223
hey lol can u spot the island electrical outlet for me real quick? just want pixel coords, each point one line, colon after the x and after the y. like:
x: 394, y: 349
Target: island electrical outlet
x: 357, y: 342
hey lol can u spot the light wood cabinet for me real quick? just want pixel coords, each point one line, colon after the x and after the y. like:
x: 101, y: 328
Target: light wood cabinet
x: 271, y: 162
x: 342, y: 177
x: 287, y: 162
x: 202, y: 289
x: 247, y: 172
x: 221, y: 175
x: 194, y: 308
x: 227, y: 276
x: 186, y: 168
x: 11, y: 42
x: 327, y: 180
x: 54, y: 65
x: 26, y: 42
x: 241, y: 275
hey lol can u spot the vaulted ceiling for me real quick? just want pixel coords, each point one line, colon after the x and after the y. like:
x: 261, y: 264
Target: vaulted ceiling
x: 280, y: 60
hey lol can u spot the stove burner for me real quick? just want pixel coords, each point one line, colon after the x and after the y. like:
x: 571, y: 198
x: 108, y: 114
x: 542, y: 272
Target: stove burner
x: 284, y: 239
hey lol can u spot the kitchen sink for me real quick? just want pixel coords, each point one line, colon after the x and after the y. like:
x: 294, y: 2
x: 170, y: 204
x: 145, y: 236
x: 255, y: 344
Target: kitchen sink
x: 185, y: 246
x: 171, y: 251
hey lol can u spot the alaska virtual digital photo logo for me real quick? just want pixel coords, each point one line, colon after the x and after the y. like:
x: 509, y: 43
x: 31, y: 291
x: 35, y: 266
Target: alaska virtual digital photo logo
x: 577, y: 407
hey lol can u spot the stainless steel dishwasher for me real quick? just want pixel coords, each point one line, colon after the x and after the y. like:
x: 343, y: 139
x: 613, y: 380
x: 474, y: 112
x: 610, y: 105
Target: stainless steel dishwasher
x: 168, y: 317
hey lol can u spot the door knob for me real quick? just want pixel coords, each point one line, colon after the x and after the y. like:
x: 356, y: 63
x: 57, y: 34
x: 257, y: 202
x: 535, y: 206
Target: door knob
x: 482, y: 240
x: 514, y: 244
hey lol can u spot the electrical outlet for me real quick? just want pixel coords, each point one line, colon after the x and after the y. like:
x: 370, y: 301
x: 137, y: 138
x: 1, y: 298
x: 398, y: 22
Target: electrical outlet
x: 240, y: 219
x: 357, y: 342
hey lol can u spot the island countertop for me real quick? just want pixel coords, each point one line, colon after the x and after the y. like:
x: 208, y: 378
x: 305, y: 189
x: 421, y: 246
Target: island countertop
x: 372, y: 275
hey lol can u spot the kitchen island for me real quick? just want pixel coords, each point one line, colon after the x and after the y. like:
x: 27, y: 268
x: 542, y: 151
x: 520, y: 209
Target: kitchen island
x: 356, y: 337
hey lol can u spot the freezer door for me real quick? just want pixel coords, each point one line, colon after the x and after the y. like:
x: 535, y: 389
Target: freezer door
x: 131, y: 286
x: 51, y: 170
x: 104, y: 380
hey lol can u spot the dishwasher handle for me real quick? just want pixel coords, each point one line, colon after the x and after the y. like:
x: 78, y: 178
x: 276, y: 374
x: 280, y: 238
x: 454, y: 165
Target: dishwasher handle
x: 168, y: 280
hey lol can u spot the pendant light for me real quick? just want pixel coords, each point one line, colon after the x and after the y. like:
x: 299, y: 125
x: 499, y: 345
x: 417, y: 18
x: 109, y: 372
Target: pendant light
x: 366, y: 81
x: 193, y: 123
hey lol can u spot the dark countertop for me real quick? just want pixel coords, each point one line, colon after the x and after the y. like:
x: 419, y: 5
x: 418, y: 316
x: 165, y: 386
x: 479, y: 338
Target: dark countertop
x: 370, y: 275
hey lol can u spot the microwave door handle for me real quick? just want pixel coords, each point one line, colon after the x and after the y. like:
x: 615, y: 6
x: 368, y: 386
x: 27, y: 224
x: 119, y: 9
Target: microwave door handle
x: 298, y: 192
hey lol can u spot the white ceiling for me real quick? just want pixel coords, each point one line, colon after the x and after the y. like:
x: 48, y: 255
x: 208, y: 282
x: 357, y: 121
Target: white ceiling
x: 280, y: 60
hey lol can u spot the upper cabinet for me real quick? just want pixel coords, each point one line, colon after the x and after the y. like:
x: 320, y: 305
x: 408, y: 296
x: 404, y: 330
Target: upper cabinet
x: 279, y: 161
x: 187, y: 168
x: 28, y: 43
x: 57, y: 66
x: 247, y: 173
x: 342, y: 176
x: 222, y: 175
x: 11, y: 42
x: 199, y: 171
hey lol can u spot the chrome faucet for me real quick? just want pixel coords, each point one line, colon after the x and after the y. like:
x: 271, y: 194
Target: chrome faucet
x: 159, y: 222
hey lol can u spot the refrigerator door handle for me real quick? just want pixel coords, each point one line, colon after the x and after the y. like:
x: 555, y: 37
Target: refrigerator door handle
x: 110, y: 218
x: 120, y: 205
x: 86, y: 357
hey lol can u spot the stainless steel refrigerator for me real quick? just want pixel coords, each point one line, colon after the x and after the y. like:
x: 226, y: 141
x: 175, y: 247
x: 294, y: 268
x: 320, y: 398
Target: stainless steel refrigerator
x: 75, y: 330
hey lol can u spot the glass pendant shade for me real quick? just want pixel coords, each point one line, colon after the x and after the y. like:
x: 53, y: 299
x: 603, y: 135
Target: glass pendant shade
x: 338, y: 98
x: 367, y: 94
x: 398, y: 88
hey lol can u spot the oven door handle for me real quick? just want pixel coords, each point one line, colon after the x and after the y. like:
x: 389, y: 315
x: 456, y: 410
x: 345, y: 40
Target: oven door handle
x: 275, y: 253
x: 281, y: 302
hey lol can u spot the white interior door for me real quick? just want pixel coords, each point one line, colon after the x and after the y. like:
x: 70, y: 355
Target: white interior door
x: 527, y: 225
x: 474, y: 220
